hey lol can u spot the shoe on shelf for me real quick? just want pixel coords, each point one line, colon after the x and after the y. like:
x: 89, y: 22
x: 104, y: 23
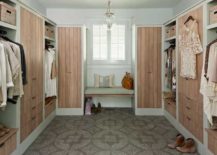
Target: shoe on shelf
x: 180, y: 141
x: 188, y: 147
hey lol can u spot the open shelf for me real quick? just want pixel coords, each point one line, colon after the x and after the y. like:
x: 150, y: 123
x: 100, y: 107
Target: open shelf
x: 170, y: 39
x: 212, y: 26
x: 49, y: 39
x: 8, y: 26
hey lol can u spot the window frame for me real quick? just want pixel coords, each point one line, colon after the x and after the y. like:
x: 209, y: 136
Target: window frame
x: 128, y: 40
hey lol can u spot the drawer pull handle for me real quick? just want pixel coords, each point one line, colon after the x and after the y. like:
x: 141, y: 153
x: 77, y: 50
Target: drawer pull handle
x: 33, y: 97
x: 188, y: 108
x: 34, y: 107
x: 33, y: 118
x: 8, y: 11
x: 188, y: 98
x: 1, y: 145
x: 189, y: 118
x: 34, y: 79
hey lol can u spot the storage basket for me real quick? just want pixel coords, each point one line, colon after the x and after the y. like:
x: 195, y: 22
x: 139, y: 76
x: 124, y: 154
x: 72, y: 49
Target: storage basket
x: 213, y: 14
x: 173, y: 31
x: 7, y: 13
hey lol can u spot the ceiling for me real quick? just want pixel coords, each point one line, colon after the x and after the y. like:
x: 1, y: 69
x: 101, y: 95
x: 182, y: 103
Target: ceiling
x: 122, y: 4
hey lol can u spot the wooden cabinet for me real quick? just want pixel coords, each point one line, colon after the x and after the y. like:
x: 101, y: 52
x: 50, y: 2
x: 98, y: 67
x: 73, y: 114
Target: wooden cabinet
x: 70, y: 67
x: 170, y: 106
x: 149, y: 67
x: 190, y: 99
x: 31, y: 30
x: 8, y: 143
x: 212, y: 141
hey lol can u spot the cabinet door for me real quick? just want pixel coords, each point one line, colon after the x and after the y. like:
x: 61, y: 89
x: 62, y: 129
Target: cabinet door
x: 70, y: 79
x: 31, y: 28
x: 149, y: 67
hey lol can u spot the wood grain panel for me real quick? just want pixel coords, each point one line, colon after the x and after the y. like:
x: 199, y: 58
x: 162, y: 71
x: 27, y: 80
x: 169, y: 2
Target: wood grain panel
x: 149, y: 67
x: 69, y: 43
x: 188, y: 89
x: 32, y: 39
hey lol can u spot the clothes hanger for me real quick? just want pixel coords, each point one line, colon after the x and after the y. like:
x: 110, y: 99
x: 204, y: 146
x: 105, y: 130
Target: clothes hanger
x: 188, y: 19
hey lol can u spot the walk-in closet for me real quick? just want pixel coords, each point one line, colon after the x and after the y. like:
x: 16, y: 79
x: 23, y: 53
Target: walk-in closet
x: 111, y: 77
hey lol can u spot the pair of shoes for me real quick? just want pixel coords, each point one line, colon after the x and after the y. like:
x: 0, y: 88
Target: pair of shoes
x: 99, y: 107
x: 96, y: 110
x: 180, y: 141
x: 93, y: 109
x: 182, y: 145
x: 189, y: 146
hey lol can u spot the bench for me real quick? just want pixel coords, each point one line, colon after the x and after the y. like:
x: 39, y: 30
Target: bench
x: 116, y: 91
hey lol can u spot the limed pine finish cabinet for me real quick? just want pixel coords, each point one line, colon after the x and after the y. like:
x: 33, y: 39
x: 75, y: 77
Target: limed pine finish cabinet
x: 149, y: 67
x: 70, y: 67
x: 31, y: 30
x: 190, y: 99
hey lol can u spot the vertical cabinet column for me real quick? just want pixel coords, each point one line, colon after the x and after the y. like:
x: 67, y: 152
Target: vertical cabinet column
x: 70, y: 67
x: 190, y: 99
x: 149, y: 67
x: 31, y: 30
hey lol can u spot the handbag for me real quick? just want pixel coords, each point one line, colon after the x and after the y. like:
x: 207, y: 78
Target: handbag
x: 127, y: 81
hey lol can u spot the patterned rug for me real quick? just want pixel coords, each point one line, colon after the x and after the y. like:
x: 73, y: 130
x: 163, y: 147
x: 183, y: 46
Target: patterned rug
x: 111, y: 132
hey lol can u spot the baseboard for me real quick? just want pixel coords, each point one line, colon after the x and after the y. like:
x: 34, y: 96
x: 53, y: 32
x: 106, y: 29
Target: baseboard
x: 148, y: 112
x: 200, y: 147
x: 31, y: 138
x: 70, y: 112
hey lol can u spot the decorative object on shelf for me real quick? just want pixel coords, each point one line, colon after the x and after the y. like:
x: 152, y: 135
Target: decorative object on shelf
x: 109, y: 16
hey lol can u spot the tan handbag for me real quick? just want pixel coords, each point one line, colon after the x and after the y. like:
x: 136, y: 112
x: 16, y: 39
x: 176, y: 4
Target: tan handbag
x: 127, y: 81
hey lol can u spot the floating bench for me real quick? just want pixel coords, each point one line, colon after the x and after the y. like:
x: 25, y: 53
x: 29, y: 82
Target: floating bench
x: 117, y: 91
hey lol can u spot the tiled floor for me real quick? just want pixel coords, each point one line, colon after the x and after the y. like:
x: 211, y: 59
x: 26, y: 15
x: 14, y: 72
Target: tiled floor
x: 111, y: 132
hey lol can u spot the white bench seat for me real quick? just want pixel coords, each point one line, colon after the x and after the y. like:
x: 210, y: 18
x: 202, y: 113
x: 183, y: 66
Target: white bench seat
x: 116, y: 91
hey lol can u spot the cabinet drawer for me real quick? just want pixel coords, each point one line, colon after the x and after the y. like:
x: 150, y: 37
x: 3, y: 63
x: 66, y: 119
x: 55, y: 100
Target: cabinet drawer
x: 170, y: 106
x: 212, y: 141
x: 36, y: 121
x: 50, y: 107
x: 8, y: 143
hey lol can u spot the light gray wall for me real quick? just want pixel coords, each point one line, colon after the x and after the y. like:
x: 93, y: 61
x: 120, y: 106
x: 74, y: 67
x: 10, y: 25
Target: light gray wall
x: 184, y: 4
x: 35, y: 5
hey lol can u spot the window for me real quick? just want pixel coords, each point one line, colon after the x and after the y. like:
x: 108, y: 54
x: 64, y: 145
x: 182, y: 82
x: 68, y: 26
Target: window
x: 109, y: 45
x: 100, y: 47
x: 118, y: 42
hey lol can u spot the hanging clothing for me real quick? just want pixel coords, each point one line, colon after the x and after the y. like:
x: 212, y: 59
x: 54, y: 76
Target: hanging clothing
x: 189, y: 46
x: 23, y: 60
x: 11, y: 83
x: 3, y: 77
x: 208, y: 84
x: 170, y: 67
x: 50, y: 84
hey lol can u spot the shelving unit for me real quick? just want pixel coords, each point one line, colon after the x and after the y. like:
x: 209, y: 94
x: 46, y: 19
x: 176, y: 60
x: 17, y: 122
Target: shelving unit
x: 211, y: 29
x: 169, y: 40
x: 49, y: 38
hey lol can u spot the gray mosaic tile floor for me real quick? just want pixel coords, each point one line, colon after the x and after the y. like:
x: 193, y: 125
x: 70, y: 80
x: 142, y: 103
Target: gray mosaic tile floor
x: 111, y: 132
